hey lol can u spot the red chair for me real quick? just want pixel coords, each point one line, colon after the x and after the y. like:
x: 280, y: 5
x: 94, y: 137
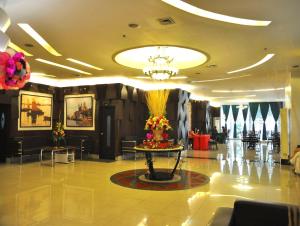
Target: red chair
x: 196, y: 142
x: 204, y: 140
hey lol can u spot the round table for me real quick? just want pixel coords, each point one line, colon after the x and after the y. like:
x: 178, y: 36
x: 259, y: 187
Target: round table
x: 154, y: 174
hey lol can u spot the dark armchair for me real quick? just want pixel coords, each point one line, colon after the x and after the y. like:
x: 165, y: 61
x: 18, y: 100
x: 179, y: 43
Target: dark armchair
x: 252, y: 213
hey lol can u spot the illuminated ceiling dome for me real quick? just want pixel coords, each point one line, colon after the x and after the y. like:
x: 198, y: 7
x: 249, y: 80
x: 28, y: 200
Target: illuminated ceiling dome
x: 161, y: 62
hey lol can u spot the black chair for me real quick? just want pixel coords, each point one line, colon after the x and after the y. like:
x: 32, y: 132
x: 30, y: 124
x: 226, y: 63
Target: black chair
x: 213, y: 144
x: 252, y: 213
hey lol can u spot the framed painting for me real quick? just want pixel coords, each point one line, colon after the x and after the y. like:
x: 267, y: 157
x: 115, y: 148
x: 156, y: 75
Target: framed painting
x: 35, y: 111
x: 79, y: 112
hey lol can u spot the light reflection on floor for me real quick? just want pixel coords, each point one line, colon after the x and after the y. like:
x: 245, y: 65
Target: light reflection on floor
x: 82, y: 194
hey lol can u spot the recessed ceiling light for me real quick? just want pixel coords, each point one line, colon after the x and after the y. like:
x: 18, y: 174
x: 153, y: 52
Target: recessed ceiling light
x: 36, y: 36
x: 249, y: 90
x: 133, y: 25
x: 166, y: 21
x: 62, y: 66
x: 211, y: 66
x: 84, y: 64
x: 28, y: 45
x: 263, y: 60
x: 214, y: 16
x: 220, y: 79
x: 18, y: 49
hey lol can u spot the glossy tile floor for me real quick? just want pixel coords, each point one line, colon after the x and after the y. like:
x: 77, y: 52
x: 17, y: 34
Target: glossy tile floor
x: 82, y: 194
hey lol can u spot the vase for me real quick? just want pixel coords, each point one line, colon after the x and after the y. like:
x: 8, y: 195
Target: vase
x: 157, y: 134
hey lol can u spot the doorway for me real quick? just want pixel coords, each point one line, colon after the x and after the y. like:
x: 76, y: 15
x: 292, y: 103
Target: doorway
x: 107, y: 132
x: 4, y: 130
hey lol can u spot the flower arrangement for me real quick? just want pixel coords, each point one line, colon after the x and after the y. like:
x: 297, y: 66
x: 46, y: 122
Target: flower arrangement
x: 58, y: 133
x: 14, y: 70
x: 157, y: 123
x: 157, y: 136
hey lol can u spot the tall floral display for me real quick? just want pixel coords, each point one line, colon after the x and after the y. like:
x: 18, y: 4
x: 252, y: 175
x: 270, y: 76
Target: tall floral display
x: 157, y: 124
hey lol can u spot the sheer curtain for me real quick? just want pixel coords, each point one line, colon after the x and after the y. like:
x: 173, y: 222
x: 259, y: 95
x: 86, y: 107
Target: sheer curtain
x: 275, y: 107
x: 226, y: 109
x: 253, y: 112
x: 235, y: 112
x: 245, y: 113
x: 264, y: 109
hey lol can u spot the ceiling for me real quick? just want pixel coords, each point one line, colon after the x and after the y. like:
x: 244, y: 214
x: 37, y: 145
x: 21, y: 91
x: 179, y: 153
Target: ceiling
x: 94, y: 31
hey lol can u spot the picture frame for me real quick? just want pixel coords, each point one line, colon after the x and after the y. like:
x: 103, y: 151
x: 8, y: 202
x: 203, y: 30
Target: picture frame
x: 35, y: 111
x: 79, y: 112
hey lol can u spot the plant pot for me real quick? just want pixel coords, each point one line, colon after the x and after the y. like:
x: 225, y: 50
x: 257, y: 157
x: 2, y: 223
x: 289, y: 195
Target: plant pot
x: 157, y: 134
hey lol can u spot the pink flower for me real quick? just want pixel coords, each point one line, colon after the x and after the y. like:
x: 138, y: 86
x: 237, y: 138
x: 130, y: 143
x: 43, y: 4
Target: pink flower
x: 149, y: 136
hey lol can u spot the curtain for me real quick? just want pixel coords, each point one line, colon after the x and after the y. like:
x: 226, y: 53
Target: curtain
x: 275, y: 108
x: 226, y: 109
x: 245, y: 113
x: 264, y: 109
x: 253, y: 112
x: 235, y: 112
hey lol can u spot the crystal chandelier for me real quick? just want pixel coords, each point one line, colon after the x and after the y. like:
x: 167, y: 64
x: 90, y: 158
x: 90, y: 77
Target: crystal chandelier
x: 160, y: 68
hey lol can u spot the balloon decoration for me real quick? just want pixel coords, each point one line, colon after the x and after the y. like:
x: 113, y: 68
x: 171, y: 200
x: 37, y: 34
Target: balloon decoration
x: 14, y: 70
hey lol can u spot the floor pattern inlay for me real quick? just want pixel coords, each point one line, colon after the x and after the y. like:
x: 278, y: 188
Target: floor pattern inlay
x: 130, y: 179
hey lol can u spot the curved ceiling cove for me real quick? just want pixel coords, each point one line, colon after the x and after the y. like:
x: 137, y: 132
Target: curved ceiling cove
x: 220, y: 79
x: 246, y: 91
x: 214, y: 16
x: 263, y: 60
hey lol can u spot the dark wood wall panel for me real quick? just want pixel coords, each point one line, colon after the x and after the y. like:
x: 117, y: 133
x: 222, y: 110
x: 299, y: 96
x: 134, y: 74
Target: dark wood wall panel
x: 199, y: 114
x: 131, y: 113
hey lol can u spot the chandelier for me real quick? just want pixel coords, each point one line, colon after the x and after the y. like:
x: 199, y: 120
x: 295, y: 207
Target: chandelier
x: 160, y: 67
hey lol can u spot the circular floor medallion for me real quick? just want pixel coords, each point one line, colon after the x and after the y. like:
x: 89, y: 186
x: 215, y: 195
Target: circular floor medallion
x: 176, y: 178
x: 133, y: 179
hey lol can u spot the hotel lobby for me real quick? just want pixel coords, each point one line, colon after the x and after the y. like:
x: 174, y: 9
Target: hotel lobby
x: 149, y: 113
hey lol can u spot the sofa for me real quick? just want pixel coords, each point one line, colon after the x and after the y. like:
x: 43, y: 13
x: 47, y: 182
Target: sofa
x: 252, y: 213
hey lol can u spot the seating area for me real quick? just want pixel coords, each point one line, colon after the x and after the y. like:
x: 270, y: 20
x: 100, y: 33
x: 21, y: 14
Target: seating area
x: 30, y: 148
x: 250, y: 213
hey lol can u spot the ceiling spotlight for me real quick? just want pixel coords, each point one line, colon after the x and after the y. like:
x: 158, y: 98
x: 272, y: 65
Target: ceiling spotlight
x: 133, y: 25
x: 28, y: 45
x: 211, y: 66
